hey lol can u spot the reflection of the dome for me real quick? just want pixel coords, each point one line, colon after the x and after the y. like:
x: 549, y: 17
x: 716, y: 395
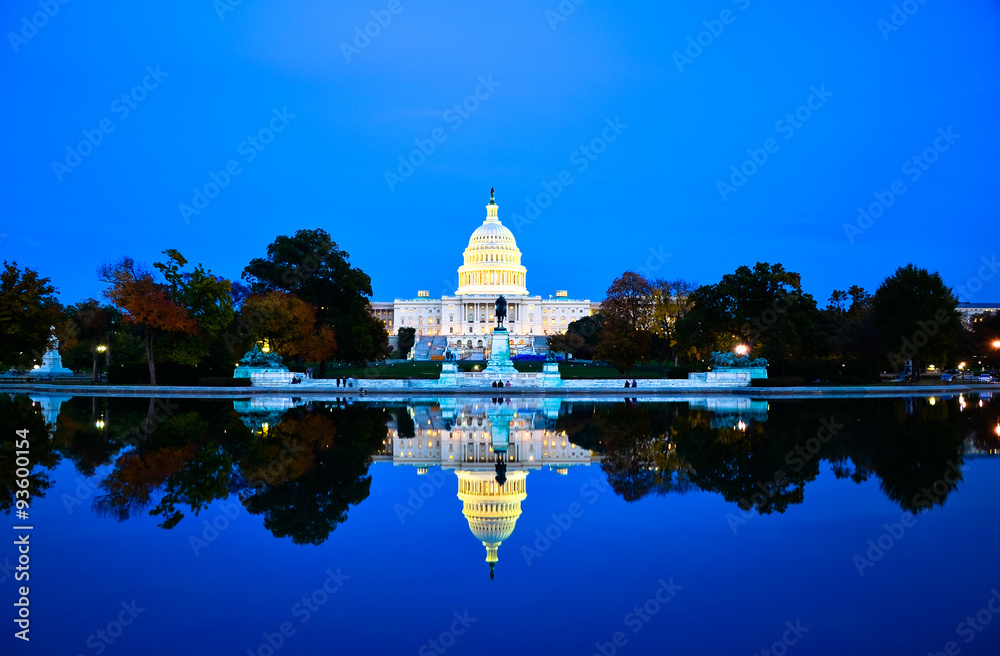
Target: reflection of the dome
x: 491, y: 446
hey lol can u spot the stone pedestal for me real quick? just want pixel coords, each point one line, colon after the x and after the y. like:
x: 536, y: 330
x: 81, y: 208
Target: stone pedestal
x: 499, y: 366
x: 449, y: 375
x: 550, y: 375
x: 51, y: 365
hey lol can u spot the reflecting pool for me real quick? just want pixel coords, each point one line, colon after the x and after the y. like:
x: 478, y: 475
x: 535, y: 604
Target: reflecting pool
x: 716, y: 525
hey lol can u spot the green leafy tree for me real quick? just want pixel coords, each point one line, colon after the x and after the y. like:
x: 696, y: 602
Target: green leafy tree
x: 28, y: 310
x: 405, y: 337
x: 628, y: 320
x: 581, y: 337
x: 916, y: 318
x: 312, y: 266
x: 763, y: 308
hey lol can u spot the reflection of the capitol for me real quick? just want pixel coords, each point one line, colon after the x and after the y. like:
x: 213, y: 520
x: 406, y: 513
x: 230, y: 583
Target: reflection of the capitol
x: 491, y: 445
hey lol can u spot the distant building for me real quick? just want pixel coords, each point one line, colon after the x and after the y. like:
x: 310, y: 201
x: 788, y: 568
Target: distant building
x: 491, y: 266
x: 972, y: 312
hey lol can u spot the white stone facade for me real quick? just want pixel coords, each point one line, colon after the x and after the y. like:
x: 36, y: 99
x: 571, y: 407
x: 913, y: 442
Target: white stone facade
x: 491, y: 266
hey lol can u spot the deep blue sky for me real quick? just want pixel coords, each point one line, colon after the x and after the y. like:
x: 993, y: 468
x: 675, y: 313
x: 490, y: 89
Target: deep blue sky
x: 653, y: 190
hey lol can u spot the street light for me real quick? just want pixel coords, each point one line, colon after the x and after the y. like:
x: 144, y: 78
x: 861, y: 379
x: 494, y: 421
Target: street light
x: 742, y: 349
x: 996, y: 345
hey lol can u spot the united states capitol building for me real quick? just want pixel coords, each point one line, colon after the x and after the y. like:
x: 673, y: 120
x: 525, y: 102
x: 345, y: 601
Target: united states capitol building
x: 491, y: 266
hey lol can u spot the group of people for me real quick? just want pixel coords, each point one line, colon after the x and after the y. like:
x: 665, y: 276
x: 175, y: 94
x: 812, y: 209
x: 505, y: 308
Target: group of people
x: 632, y: 384
x: 500, y: 383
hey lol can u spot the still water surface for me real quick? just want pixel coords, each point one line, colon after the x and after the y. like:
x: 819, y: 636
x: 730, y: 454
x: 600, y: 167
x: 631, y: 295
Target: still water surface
x: 711, y: 526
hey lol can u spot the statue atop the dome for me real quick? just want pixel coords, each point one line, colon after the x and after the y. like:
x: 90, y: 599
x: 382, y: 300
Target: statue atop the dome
x: 492, y: 202
x: 501, y: 310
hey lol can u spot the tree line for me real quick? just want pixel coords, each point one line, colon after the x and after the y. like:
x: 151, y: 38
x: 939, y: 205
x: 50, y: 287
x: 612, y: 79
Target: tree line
x: 303, y: 299
x: 912, y: 315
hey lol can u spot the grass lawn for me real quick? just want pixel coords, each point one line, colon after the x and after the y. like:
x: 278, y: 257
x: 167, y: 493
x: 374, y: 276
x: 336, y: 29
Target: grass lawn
x: 433, y: 370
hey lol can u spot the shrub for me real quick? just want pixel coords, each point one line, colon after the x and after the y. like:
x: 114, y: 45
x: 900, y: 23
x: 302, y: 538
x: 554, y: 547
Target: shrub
x: 218, y: 381
x: 781, y: 381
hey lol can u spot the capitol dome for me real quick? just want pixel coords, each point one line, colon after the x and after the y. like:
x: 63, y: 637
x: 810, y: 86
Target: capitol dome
x: 491, y: 509
x: 492, y: 261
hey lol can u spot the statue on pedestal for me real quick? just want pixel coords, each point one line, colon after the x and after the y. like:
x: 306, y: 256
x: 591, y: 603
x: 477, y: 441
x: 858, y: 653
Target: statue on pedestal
x: 501, y: 311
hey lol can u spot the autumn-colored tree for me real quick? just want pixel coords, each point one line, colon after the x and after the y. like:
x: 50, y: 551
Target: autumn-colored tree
x: 312, y: 266
x: 628, y: 321
x: 289, y: 325
x: 28, y: 309
x: 146, y: 303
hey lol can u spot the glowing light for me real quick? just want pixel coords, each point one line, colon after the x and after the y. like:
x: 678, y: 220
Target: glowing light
x: 742, y: 349
x: 102, y: 348
x: 932, y: 400
x: 99, y: 423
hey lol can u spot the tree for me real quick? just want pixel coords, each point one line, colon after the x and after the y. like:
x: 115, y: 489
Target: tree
x: 146, y: 303
x: 567, y: 342
x: 671, y: 302
x: 763, y: 308
x: 312, y: 266
x: 581, y: 337
x: 208, y: 298
x: 28, y: 310
x: 916, y: 318
x: 90, y: 324
x: 289, y: 326
x: 984, y: 331
x: 628, y: 318
x: 406, y: 336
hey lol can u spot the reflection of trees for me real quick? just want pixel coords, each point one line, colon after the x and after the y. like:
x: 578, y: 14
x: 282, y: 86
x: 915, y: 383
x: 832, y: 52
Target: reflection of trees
x: 910, y: 445
x: 178, y: 461
x: 748, y: 467
x: 16, y: 414
x: 909, y: 452
x: 638, y: 456
x: 328, y: 455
